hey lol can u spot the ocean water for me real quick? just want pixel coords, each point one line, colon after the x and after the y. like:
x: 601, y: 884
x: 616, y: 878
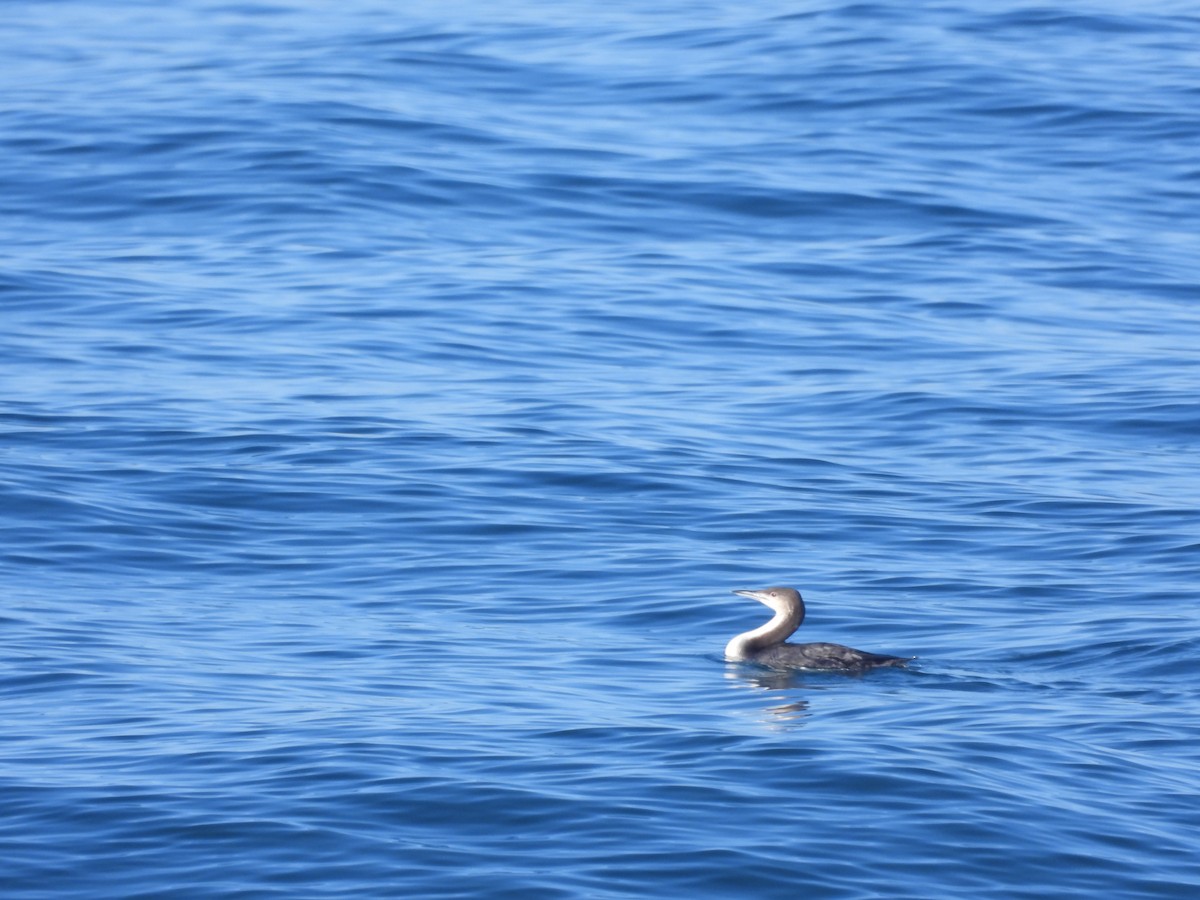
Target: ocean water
x: 394, y: 392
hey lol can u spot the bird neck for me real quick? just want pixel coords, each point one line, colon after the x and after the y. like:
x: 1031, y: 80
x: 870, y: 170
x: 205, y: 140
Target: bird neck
x: 781, y: 627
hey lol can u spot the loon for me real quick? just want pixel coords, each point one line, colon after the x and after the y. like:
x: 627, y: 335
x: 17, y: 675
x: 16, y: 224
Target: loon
x: 765, y: 644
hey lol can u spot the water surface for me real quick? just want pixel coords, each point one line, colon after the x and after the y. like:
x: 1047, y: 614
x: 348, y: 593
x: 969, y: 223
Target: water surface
x: 392, y: 397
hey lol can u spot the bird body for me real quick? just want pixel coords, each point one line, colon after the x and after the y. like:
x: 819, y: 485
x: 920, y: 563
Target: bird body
x: 767, y: 645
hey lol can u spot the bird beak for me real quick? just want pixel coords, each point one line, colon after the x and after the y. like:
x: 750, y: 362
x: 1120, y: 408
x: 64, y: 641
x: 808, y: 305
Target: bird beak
x: 753, y: 595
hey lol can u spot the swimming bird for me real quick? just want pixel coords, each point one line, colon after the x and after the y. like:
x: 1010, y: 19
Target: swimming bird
x: 766, y: 645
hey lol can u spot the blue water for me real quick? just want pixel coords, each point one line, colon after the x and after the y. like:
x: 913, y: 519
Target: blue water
x: 393, y: 393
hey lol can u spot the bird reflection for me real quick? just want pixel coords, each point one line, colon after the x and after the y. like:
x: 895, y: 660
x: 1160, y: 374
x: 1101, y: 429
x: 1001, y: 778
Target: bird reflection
x: 771, y: 683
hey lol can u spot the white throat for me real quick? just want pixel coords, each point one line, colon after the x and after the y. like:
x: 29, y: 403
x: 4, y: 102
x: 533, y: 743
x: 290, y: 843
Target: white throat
x: 782, y: 625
